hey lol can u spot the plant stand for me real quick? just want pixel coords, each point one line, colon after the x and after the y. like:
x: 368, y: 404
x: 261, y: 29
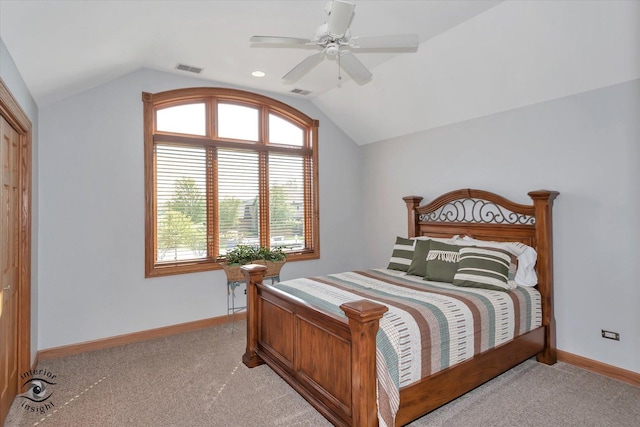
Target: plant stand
x: 235, y: 278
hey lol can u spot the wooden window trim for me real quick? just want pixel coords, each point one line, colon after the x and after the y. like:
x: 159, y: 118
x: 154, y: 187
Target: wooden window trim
x: 211, y: 96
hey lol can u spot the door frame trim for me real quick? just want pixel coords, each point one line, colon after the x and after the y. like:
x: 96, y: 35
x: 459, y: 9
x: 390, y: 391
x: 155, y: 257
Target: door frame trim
x: 15, y: 115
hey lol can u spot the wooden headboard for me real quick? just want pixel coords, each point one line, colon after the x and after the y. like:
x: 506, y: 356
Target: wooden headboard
x: 488, y: 216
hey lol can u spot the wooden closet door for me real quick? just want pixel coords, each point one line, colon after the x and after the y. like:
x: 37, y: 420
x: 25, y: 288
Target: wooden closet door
x: 9, y: 246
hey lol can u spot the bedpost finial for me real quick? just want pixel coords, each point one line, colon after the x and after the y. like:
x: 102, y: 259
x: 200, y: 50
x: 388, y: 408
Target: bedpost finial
x: 544, y: 195
x: 412, y: 200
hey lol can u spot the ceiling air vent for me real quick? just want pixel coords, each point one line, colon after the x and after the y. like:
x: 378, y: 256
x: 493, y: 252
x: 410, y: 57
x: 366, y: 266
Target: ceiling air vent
x: 189, y: 68
x: 301, y: 91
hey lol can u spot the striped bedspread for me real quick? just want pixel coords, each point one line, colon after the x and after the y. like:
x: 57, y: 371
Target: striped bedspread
x: 429, y: 326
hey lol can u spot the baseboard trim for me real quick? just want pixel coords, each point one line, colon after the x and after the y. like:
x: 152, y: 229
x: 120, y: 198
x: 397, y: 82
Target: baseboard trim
x: 610, y: 371
x: 619, y: 374
x: 68, y: 350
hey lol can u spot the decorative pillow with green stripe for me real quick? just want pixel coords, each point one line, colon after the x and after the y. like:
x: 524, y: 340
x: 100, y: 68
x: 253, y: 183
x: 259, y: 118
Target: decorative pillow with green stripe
x: 482, y: 267
x: 418, y: 265
x: 442, y: 262
x: 402, y: 254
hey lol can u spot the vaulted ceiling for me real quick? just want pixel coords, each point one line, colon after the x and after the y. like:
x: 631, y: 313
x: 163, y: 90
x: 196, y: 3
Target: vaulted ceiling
x: 475, y: 57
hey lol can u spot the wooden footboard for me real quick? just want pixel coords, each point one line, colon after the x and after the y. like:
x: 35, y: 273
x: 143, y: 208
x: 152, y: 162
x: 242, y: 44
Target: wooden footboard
x: 302, y: 345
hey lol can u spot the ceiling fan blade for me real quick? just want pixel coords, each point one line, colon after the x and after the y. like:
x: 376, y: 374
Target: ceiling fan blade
x: 303, y: 67
x: 339, y: 18
x: 354, y: 67
x: 278, y: 40
x: 385, y: 42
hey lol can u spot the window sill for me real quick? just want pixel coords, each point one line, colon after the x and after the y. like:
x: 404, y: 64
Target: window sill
x: 197, y: 266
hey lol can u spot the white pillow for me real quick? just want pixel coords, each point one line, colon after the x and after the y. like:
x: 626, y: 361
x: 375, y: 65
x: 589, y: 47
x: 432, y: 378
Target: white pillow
x: 449, y: 240
x: 527, y: 256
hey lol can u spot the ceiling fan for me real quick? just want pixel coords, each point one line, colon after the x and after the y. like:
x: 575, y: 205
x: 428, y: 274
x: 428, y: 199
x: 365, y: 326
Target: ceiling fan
x: 333, y: 38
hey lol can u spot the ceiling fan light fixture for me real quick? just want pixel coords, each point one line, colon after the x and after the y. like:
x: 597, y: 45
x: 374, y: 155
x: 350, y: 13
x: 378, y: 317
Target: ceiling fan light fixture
x: 333, y: 49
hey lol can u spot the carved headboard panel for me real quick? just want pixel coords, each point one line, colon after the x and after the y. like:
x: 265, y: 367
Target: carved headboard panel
x: 475, y: 213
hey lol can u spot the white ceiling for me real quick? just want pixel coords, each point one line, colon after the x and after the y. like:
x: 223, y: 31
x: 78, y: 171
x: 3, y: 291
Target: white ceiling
x: 475, y: 58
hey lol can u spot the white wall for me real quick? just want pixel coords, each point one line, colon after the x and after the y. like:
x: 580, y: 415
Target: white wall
x: 92, y: 217
x: 585, y: 146
x: 13, y: 80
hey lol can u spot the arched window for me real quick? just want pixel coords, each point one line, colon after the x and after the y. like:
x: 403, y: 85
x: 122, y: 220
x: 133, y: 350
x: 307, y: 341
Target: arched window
x: 225, y: 167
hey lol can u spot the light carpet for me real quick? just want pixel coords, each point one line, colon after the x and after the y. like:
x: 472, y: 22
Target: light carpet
x: 198, y: 379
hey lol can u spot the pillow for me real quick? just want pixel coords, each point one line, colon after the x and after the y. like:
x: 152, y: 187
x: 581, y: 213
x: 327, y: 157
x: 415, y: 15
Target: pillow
x: 442, y: 262
x: 526, y: 272
x: 450, y: 240
x: 402, y: 254
x: 483, y: 267
x: 418, y: 265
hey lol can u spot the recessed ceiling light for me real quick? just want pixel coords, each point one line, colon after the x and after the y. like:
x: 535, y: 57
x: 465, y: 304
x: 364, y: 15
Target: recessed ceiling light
x: 258, y: 74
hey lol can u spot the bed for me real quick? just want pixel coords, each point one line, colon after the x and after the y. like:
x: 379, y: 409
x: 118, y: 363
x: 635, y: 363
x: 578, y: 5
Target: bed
x: 331, y: 358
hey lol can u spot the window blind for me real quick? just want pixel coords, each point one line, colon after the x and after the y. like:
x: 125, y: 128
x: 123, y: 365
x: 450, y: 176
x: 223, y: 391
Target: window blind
x: 181, y: 206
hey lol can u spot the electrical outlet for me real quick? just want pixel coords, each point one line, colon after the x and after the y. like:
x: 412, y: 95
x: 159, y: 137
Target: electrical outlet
x: 611, y: 335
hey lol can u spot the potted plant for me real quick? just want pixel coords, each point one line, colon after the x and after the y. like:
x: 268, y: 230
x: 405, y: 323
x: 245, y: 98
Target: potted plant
x: 273, y: 259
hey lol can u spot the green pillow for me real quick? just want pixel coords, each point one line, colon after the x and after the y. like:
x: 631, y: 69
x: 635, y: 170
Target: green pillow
x: 442, y: 262
x: 402, y: 254
x: 486, y: 268
x: 418, y: 265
